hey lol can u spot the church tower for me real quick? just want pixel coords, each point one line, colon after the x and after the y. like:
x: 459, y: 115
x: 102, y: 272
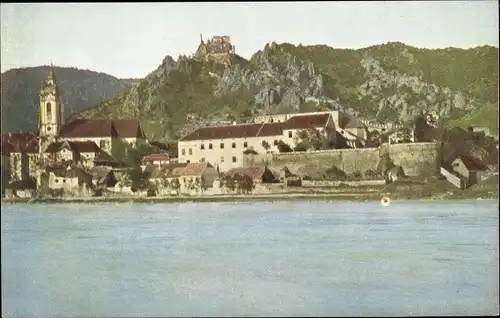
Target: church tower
x: 51, y: 112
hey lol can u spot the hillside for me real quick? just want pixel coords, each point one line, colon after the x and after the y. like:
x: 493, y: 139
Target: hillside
x: 80, y: 89
x: 387, y: 83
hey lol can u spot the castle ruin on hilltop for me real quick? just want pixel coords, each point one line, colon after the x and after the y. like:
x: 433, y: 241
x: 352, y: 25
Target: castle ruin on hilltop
x: 218, y: 49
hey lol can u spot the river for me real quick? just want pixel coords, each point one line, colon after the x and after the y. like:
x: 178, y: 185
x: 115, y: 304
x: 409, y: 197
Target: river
x: 296, y: 258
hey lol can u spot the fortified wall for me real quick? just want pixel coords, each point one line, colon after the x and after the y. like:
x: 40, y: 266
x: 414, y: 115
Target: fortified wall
x: 414, y: 158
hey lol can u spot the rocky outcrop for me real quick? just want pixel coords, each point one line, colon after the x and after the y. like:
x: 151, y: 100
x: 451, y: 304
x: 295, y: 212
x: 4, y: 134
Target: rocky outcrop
x: 287, y: 78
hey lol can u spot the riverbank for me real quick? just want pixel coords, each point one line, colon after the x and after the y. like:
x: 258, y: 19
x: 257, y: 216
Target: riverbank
x: 343, y: 196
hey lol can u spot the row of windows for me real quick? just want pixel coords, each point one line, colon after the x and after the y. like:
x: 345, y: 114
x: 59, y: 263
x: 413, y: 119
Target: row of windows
x: 233, y: 145
x: 221, y: 159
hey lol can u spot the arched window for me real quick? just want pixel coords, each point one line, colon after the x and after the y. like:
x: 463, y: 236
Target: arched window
x: 49, y: 108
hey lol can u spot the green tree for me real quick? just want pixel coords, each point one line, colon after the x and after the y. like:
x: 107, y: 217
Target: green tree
x: 244, y: 183
x: 284, y: 147
x: 176, y: 185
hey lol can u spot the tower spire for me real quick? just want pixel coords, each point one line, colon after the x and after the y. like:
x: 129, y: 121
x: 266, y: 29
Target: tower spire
x: 201, y: 38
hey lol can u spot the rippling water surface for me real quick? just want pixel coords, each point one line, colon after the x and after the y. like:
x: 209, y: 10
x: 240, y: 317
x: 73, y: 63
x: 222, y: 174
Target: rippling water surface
x: 241, y: 259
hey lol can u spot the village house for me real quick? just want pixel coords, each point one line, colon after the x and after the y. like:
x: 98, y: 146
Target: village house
x: 353, y: 131
x: 224, y: 146
x: 69, y: 181
x: 156, y: 159
x: 470, y: 169
x: 103, y: 177
x: 259, y: 174
x: 181, y: 178
x: 89, y: 142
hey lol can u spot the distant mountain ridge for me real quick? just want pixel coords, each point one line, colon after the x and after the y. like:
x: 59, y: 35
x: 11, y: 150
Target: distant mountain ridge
x: 387, y: 83
x: 80, y: 89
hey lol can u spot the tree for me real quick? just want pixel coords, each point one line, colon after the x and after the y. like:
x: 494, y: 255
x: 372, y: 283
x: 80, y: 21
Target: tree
x: 300, y: 147
x: 176, y: 185
x: 283, y: 147
x: 165, y: 184
x: 266, y: 145
x: 313, y: 139
x: 385, y: 164
x: 137, y: 179
x: 245, y: 183
x: 250, y: 151
x: 335, y: 173
x: 372, y: 174
x: 373, y: 139
x: 198, y: 182
x: 228, y: 182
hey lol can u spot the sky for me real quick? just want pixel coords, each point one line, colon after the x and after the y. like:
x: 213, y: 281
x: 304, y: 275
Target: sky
x: 130, y: 40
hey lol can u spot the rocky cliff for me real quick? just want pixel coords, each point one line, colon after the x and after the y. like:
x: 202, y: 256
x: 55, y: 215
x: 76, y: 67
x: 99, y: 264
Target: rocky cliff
x: 387, y: 83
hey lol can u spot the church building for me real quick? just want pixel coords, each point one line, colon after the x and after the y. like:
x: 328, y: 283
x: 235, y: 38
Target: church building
x: 83, y: 142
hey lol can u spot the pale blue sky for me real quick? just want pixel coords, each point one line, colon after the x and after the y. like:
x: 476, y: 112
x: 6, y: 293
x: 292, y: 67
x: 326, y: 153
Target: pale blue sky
x: 131, y: 40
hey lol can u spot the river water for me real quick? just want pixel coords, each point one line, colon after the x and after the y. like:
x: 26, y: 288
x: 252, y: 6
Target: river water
x: 241, y: 259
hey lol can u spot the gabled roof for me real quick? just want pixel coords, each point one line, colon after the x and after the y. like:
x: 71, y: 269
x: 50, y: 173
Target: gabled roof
x: 156, y: 157
x: 124, y: 128
x: 196, y: 168
x: 468, y: 163
x: 170, y: 170
x: 19, y: 143
x: 128, y: 128
x: 104, y: 157
x: 100, y: 173
x: 88, y: 128
x: 306, y: 121
x: 255, y: 130
x: 349, y: 121
x: 76, y: 146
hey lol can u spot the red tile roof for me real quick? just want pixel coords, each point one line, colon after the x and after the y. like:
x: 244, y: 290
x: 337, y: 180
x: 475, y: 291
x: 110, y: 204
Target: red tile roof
x: 196, y: 168
x: 306, y: 121
x: 128, y: 128
x: 254, y: 130
x: 469, y: 163
x: 156, y: 157
x: 19, y: 142
x: 88, y: 128
x: 125, y: 128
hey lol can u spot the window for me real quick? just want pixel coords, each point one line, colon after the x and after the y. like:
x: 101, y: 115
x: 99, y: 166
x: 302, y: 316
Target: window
x: 49, y: 128
x: 188, y: 161
x: 209, y: 146
x: 202, y: 146
x: 233, y: 145
x: 49, y: 108
x: 221, y: 145
x: 290, y: 134
x: 234, y: 159
x: 275, y: 142
x: 102, y: 144
x: 190, y: 151
x: 202, y: 160
x: 183, y: 152
x: 56, y: 180
x: 64, y: 180
x: 245, y: 144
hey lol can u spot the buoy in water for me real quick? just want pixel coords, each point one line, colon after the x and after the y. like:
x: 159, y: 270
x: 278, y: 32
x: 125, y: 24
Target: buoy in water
x: 386, y: 201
